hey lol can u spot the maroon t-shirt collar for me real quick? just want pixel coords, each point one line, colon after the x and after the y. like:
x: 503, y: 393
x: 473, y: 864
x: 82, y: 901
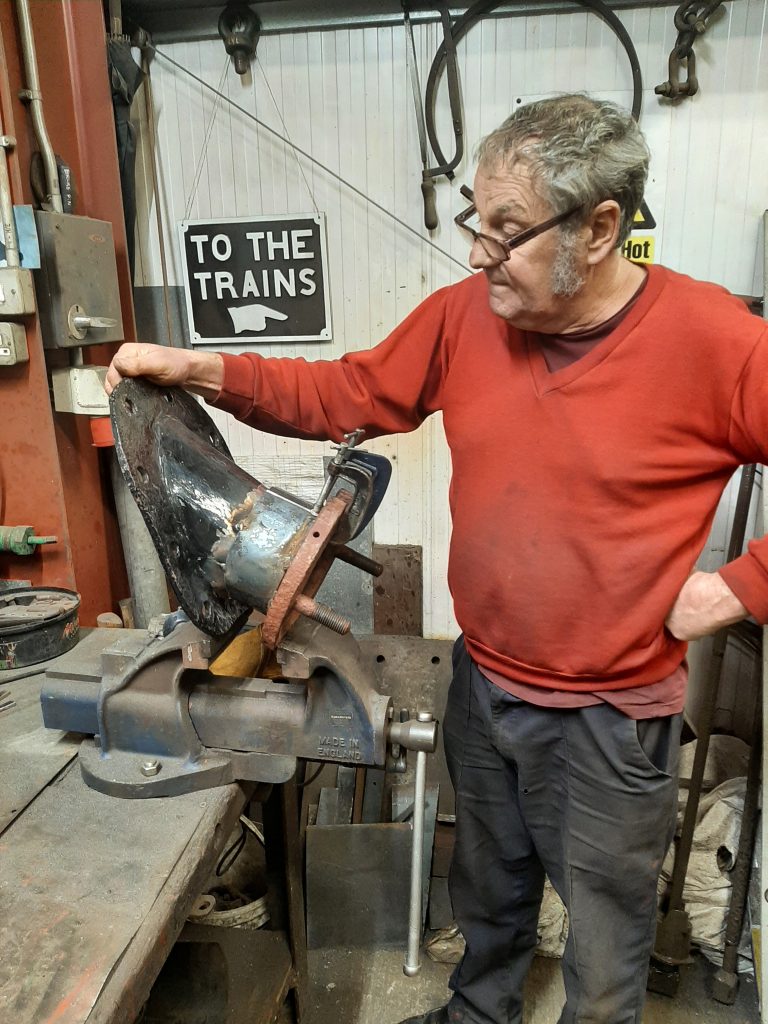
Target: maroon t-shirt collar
x: 561, y: 350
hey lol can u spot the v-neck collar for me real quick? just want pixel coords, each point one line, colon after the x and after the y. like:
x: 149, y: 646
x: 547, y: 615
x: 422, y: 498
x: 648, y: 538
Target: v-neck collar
x: 546, y: 381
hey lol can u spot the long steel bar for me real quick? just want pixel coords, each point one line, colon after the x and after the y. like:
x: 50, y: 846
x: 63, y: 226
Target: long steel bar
x: 412, y: 964
x: 163, y: 21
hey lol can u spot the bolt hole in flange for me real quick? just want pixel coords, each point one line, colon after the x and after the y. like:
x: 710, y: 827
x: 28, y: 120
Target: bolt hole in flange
x: 380, y: 658
x: 436, y: 660
x: 129, y: 406
x: 143, y: 475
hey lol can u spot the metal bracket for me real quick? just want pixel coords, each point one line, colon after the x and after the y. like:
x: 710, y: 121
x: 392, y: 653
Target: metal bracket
x: 227, y: 542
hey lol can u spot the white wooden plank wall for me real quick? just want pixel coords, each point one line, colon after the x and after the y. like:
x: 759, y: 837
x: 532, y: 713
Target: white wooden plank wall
x: 344, y: 97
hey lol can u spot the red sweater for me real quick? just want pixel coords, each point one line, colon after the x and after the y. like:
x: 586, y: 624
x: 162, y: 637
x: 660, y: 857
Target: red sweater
x: 580, y: 499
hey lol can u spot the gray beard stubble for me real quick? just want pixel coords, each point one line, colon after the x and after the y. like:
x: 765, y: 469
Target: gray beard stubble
x: 566, y: 280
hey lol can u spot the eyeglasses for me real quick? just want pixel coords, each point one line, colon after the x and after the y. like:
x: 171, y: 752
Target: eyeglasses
x: 499, y: 249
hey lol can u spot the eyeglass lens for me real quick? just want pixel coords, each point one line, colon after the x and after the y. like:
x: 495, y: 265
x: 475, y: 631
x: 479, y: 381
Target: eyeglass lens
x: 495, y: 250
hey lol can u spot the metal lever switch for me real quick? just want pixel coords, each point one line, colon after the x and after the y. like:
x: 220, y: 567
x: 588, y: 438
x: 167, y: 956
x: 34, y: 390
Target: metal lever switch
x: 81, y: 322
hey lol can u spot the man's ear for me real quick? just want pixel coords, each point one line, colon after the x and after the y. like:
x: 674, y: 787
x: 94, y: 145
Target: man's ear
x: 604, y: 224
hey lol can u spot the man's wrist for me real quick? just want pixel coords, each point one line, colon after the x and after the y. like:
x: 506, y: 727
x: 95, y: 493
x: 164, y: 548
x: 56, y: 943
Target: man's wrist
x: 727, y: 606
x: 205, y: 375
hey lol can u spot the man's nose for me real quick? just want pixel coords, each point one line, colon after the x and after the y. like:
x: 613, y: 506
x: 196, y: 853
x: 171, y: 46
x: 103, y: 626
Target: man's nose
x: 479, y: 258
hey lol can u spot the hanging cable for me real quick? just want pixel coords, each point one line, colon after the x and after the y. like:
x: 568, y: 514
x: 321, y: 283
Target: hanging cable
x: 311, y: 778
x: 233, y: 851
x: 287, y: 135
x: 343, y: 181
x: 208, y: 133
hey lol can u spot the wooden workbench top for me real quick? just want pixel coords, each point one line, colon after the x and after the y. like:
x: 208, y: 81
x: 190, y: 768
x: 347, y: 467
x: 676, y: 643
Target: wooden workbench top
x: 94, y: 890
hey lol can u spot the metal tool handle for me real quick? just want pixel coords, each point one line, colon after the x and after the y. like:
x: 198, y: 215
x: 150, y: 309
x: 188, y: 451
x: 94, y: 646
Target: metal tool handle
x: 430, y: 208
x: 89, y: 323
x: 412, y: 964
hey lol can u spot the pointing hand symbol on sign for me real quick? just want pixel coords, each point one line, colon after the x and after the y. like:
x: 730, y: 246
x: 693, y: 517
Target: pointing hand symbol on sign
x: 253, y: 317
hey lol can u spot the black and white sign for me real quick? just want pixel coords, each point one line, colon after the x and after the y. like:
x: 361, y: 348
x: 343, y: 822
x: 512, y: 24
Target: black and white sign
x: 260, y: 278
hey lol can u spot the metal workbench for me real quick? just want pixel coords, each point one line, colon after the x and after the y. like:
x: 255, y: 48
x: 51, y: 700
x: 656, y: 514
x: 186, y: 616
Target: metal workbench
x: 95, y: 890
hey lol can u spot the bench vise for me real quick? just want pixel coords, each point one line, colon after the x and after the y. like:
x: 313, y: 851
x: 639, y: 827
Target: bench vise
x: 162, y: 722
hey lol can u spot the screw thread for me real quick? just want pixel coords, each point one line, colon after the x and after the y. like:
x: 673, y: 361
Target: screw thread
x: 323, y: 614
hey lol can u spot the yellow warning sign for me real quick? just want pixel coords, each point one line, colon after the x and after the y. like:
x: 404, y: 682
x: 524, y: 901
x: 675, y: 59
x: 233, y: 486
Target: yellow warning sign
x: 644, y: 219
x: 639, y: 248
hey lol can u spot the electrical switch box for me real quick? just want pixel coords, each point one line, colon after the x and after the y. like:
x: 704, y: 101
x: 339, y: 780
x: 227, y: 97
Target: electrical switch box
x: 17, y: 294
x: 13, y: 345
x: 77, y: 285
x: 80, y: 389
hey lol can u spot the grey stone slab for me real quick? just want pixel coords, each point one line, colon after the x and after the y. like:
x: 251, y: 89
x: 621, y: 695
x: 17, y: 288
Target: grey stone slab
x: 357, y: 986
x: 358, y: 885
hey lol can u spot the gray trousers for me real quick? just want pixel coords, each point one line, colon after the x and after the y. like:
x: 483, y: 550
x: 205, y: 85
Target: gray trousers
x: 586, y: 796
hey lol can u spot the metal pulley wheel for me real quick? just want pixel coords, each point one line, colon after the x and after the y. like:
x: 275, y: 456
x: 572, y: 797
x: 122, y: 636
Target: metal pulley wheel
x: 37, y: 623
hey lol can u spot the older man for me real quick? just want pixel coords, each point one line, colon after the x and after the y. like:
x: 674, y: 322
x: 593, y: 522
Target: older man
x: 595, y: 410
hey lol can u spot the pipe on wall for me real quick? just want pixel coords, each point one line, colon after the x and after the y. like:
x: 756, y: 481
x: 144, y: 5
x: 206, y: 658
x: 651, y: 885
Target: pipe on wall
x: 34, y: 96
x: 12, y: 257
x: 146, y: 577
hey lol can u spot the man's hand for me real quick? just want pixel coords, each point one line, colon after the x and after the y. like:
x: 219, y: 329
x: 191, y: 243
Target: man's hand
x: 704, y: 605
x: 201, y: 372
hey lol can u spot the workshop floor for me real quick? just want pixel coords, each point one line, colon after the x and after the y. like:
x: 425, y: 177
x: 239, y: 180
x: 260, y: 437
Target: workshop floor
x: 369, y: 987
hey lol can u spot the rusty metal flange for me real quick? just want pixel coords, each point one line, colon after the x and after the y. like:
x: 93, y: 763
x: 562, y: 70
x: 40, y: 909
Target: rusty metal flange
x: 298, y: 581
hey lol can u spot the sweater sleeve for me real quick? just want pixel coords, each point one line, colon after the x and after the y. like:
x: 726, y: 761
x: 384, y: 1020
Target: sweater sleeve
x: 747, y: 576
x: 388, y: 389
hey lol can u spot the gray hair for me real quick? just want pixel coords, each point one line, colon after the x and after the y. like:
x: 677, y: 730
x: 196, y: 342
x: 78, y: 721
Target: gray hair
x: 579, y: 150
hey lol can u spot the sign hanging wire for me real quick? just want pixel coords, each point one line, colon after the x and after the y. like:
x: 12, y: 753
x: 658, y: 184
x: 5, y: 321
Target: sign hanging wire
x: 308, y: 156
x: 208, y: 132
x: 287, y: 135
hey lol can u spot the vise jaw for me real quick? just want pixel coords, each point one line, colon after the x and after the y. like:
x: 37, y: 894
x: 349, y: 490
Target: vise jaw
x: 164, y: 725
